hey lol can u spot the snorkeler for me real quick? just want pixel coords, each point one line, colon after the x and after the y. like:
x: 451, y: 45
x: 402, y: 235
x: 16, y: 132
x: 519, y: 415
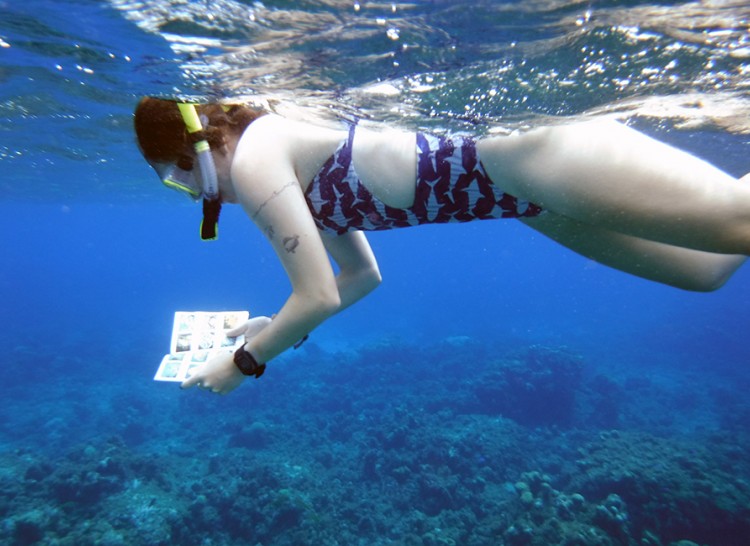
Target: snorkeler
x: 600, y: 188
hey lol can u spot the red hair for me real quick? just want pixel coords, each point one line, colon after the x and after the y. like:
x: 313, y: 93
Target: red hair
x: 163, y: 137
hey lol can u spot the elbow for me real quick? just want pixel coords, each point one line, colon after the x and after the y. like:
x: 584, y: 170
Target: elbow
x: 707, y: 281
x: 371, y: 279
x: 361, y: 281
x: 317, y: 303
x: 706, y: 284
x: 367, y: 280
x: 327, y: 300
x: 714, y: 274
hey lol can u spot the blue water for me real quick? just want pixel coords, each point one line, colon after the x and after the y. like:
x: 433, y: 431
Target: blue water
x: 490, y: 363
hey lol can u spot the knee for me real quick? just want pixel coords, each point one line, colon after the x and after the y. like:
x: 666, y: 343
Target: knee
x: 706, y: 282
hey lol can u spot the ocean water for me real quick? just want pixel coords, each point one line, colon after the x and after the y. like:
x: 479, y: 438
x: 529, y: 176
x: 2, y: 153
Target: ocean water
x: 496, y: 389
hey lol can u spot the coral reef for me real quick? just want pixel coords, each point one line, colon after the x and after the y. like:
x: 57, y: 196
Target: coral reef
x: 536, y: 387
x: 674, y: 488
x: 422, y: 453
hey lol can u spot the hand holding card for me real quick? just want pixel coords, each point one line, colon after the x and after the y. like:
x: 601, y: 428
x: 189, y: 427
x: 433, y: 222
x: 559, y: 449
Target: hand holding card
x: 220, y: 375
x: 199, y: 336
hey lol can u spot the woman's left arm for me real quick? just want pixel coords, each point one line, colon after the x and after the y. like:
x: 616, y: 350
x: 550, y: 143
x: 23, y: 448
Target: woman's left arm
x: 358, y: 270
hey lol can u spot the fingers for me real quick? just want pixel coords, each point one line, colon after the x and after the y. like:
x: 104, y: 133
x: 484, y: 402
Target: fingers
x: 254, y: 326
x: 237, y: 330
x: 249, y: 328
x: 202, y: 383
x: 214, y: 390
x: 191, y: 382
x: 219, y: 375
x: 199, y: 381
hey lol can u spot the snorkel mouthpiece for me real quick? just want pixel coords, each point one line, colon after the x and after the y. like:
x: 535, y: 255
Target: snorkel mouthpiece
x: 210, y: 223
x: 211, y: 202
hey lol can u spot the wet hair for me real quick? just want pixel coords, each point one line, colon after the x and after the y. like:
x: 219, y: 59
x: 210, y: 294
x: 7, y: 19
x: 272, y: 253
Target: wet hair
x: 163, y: 137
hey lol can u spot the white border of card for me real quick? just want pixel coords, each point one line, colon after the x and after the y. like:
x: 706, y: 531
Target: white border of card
x: 197, y: 337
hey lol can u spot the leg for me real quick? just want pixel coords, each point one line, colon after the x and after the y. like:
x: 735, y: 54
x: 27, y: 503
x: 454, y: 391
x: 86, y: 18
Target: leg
x: 675, y: 266
x: 608, y: 175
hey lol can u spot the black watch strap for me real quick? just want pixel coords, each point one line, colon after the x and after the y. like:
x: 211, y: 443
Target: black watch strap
x: 247, y: 364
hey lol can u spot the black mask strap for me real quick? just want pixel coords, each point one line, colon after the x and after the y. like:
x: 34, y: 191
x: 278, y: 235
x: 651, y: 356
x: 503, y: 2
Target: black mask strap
x: 210, y: 223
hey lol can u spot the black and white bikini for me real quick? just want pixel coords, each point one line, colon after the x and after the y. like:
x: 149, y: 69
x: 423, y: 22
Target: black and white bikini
x: 451, y: 186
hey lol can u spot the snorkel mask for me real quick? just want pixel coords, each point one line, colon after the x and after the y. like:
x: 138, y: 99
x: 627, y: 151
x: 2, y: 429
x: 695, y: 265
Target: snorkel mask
x: 182, y: 176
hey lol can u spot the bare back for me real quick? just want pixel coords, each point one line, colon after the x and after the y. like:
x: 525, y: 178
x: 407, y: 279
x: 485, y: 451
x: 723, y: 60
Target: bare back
x: 386, y: 161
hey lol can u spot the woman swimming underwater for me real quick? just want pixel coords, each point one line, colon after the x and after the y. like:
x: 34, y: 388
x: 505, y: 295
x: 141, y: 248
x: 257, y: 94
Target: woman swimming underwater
x: 600, y: 188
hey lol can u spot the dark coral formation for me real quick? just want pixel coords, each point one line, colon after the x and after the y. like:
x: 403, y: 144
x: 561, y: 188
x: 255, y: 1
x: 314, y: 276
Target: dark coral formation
x: 674, y: 488
x: 392, y: 444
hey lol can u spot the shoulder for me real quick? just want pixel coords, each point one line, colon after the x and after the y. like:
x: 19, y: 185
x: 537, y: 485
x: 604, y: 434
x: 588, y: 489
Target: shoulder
x: 269, y: 122
x: 272, y: 129
x: 277, y: 146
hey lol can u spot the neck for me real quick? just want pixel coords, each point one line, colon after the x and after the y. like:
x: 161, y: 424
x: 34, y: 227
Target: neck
x: 223, y: 160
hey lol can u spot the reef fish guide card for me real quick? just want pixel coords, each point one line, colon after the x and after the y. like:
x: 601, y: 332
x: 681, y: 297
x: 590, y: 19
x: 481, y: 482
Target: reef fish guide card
x: 197, y: 337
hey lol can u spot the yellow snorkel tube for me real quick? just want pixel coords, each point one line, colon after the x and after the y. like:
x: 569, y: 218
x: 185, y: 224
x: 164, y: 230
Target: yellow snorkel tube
x: 202, y: 150
x: 211, y: 201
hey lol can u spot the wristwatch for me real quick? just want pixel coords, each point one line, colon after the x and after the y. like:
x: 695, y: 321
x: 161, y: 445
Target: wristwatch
x: 247, y: 363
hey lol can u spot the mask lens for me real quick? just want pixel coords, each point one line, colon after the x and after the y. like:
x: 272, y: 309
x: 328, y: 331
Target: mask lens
x: 181, y: 180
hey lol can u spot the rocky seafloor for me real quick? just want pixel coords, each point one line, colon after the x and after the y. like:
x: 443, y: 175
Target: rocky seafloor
x: 458, y: 443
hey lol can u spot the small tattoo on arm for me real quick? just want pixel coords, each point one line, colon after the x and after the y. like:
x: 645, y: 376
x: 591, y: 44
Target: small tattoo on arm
x: 269, y: 232
x: 274, y: 195
x: 291, y: 243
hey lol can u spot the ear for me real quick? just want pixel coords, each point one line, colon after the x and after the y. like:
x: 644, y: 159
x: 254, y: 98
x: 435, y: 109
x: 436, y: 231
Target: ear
x: 229, y: 140
x: 217, y: 139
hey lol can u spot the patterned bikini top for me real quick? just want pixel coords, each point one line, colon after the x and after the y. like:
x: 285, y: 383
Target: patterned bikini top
x: 452, y: 186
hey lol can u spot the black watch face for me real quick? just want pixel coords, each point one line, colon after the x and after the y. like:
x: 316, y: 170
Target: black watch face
x: 244, y: 361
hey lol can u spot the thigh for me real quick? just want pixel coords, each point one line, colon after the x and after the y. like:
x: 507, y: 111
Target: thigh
x: 675, y: 266
x: 606, y: 174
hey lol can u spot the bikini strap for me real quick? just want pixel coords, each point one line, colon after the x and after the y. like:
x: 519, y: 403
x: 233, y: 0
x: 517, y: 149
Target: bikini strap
x: 350, y: 140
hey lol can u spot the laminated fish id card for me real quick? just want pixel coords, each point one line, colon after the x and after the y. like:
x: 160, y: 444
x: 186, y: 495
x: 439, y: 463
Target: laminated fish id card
x: 197, y: 337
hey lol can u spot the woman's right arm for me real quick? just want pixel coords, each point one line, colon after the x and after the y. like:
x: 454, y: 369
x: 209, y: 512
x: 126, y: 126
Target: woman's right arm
x: 266, y: 184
